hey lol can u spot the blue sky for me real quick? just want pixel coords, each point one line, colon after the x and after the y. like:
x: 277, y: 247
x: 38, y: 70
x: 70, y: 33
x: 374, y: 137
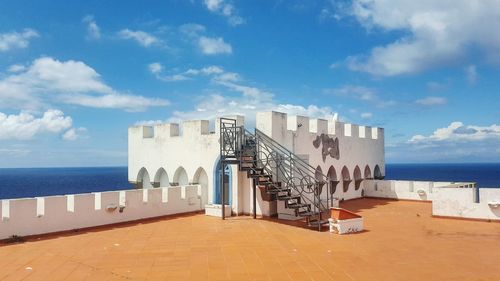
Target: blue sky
x: 74, y: 77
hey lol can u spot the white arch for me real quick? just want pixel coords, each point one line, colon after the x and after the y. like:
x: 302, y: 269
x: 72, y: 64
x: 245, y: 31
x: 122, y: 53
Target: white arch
x: 143, y: 180
x: 200, y: 177
x: 181, y: 177
x: 161, y: 178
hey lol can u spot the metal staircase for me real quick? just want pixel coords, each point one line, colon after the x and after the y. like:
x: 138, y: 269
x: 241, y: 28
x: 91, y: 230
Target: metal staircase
x: 279, y: 174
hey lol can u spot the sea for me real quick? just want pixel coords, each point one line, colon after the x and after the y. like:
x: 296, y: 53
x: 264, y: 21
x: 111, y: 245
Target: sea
x: 34, y: 182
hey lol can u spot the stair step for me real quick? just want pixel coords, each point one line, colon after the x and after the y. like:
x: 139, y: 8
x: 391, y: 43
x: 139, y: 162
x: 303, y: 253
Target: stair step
x: 297, y: 205
x: 276, y: 190
x: 288, y: 197
x: 306, y: 213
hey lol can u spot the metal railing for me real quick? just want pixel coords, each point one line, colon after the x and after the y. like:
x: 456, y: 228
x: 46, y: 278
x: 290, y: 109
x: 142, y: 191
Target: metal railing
x: 276, y: 160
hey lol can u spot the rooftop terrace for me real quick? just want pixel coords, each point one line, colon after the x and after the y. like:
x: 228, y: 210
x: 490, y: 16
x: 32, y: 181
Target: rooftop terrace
x: 401, y: 242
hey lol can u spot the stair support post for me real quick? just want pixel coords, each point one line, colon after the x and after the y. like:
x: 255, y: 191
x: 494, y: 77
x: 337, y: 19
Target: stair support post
x: 254, y: 191
x: 223, y: 195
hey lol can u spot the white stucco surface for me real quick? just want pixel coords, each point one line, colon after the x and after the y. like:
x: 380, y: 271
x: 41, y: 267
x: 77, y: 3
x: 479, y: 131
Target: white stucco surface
x: 448, y: 199
x: 29, y: 217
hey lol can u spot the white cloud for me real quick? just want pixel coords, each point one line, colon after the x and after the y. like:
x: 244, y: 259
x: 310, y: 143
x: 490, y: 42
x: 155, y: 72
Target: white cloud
x: 226, y: 9
x: 436, y: 33
x: 471, y: 74
x: 430, y: 101
x: 16, y: 68
x: 93, y: 30
x: 157, y: 69
x: 361, y: 93
x: 74, y: 134
x: 131, y: 103
x: 366, y: 115
x: 249, y: 99
x: 143, y: 38
x: 25, y: 126
x: 46, y: 80
x: 214, y: 46
x: 457, y: 131
x: 353, y: 91
x: 16, y: 40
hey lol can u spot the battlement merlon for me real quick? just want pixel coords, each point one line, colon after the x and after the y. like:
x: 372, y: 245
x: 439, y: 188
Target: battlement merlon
x: 276, y: 124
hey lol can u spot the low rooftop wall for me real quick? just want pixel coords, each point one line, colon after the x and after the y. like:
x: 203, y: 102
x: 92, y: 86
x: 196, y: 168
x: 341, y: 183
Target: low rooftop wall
x: 32, y: 216
x: 449, y: 199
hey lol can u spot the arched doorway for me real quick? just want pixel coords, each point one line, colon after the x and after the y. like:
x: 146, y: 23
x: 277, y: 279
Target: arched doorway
x: 228, y: 183
x: 143, y: 180
x: 161, y: 178
x: 181, y: 177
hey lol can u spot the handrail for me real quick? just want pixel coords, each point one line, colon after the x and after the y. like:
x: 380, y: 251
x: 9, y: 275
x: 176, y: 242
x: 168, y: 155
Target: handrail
x: 293, y: 156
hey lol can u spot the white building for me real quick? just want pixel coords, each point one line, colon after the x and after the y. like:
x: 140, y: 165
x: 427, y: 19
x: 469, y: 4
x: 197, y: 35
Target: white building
x: 341, y: 155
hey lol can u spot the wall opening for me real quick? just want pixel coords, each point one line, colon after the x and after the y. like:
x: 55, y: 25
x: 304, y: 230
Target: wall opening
x: 161, y: 178
x: 143, y: 180
x: 346, y: 178
x: 180, y: 177
x: 201, y: 178
x: 228, y: 182
x: 357, y: 178
x: 377, y: 174
x: 368, y: 172
x: 318, y: 175
x: 332, y: 176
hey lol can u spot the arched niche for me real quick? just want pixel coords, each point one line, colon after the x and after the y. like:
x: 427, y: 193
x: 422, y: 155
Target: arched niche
x: 161, y: 178
x: 377, y: 174
x: 143, y: 179
x: 320, y: 179
x: 368, y: 172
x: 346, y: 178
x: 357, y: 177
x: 200, y: 177
x: 332, y: 176
x: 180, y: 177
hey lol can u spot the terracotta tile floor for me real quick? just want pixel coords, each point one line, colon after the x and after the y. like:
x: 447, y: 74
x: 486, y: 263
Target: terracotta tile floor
x: 402, y: 242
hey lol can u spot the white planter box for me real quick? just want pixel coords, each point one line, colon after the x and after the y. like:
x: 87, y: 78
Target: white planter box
x: 215, y: 210
x: 346, y: 226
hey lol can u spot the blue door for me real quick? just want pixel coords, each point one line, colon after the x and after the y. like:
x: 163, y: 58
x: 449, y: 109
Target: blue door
x: 227, y: 185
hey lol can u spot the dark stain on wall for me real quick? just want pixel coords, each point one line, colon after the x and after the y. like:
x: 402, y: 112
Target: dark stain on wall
x: 330, y: 146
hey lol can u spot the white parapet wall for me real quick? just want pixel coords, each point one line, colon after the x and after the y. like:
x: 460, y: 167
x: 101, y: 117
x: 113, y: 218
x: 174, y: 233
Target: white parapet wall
x: 33, y: 216
x: 448, y: 199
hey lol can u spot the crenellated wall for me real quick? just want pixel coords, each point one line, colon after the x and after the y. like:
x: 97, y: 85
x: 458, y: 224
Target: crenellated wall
x: 32, y: 216
x: 360, y: 148
x: 171, y: 154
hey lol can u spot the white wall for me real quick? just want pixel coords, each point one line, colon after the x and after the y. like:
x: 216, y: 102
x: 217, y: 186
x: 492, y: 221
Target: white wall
x: 191, y: 146
x: 297, y: 133
x: 448, y: 199
x: 456, y: 202
x: 29, y: 216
